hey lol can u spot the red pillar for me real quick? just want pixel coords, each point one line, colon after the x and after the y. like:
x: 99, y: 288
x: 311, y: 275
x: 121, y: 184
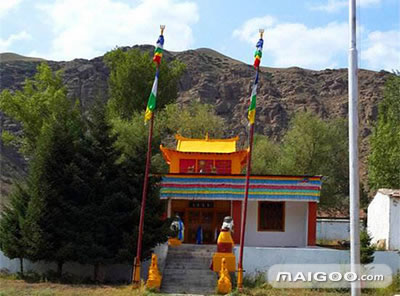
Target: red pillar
x: 237, y: 219
x: 312, y: 223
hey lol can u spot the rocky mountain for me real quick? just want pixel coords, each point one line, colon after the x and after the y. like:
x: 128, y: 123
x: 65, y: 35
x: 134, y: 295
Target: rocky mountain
x: 218, y: 80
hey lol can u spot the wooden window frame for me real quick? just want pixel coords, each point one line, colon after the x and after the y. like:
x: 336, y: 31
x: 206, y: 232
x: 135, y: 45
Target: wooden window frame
x: 259, y: 229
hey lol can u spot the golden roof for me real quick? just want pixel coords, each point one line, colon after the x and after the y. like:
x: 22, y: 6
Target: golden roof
x: 206, y: 145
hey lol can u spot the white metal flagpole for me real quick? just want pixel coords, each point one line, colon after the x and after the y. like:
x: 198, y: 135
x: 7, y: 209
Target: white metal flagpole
x: 353, y: 151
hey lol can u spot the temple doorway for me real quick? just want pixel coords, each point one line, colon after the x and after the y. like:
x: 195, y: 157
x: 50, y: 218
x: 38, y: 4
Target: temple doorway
x: 202, y: 218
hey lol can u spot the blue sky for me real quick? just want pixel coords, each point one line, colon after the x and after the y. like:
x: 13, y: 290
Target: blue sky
x: 310, y: 34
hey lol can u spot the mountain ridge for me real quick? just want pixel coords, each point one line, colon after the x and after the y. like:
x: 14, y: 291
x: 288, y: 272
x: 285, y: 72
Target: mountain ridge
x: 225, y: 83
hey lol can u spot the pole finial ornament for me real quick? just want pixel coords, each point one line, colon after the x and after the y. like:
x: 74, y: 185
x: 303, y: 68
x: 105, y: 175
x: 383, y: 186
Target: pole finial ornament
x: 162, y: 28
x: 261, y: 32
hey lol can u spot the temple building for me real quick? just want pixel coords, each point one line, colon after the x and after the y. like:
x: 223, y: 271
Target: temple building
x: 205, y: 183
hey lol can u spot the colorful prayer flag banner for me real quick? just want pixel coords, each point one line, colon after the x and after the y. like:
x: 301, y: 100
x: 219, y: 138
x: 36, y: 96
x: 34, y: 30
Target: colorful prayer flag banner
x: 159, y: 50
x: 252, y: 108
x: 151, y: 103
x: 258, y: 53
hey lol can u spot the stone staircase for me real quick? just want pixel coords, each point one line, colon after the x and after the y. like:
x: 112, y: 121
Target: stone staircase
x: 187, y: 270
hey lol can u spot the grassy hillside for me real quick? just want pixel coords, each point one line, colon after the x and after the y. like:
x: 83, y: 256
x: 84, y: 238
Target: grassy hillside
x: 10, y: 57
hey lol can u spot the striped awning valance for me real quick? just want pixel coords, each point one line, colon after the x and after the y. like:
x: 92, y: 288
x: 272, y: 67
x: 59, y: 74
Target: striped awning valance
x: 220, y: 187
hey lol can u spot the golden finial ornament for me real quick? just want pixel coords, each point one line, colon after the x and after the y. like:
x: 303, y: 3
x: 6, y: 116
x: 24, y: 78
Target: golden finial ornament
x: 261, y: 32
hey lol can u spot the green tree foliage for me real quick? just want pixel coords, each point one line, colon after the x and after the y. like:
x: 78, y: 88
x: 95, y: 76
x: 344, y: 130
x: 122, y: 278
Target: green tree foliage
x: 58, y: 190
x: 311, y: 146
x: 266, y: 156
x: 316, y: 147
x: 367, y: 250
x: 131, y: 79
x: 12, y: 220
x: 85, y: 200
x: 113, y: 208
x: 33, y: 106
x: 384, y: 159
x: 194, y: 120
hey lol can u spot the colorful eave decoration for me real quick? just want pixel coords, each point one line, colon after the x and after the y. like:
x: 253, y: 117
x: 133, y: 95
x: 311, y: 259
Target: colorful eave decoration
x: 219, y: 187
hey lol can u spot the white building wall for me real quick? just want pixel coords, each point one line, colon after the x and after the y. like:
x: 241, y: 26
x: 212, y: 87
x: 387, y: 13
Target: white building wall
x: 295, y: 227
x: 394, y: 233
x: 378, y: 218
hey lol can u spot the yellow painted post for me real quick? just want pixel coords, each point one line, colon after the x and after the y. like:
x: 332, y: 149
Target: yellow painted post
x: 240, y: 278
x: 224, y: 250
x: 136, y: 274
x: 224, y: 283
x: 154, y: 278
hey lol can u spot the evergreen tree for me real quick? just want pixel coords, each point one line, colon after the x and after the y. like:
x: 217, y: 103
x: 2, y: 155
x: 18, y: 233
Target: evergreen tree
x: 58, y: 192
x: 367, y: 250
x: 113, y: 210
x: 12, y: 219
x: 384, y: 159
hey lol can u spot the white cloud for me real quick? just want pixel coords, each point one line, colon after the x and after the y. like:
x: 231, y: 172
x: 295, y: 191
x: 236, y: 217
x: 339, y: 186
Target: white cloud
x: 337, y: 5
x: 86, y: 29
x: 250, y: 28
x: 330, y: 6
x: 383, y: 50
x: 294, y: 44
x: 5, y: 44
x: 7, y: 5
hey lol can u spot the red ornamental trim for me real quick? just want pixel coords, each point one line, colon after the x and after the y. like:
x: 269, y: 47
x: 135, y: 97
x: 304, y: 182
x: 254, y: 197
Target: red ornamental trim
x: 210, y: 185
x: 224, y: 247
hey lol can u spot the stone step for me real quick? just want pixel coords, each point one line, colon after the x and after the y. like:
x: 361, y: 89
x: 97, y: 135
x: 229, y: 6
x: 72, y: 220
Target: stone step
x: 188, y: 259
x: 189, y: 291
x: 190, y: 283
x: 194, y: 248
x: 169, y: 270
x: 210, y: 284
x: 192, y: 253
x: 187, y: 270
x: 176, y: 278
x: 187, y: 267
x: 196, y: 276
x: 189, y: 256
x: 184, y: 289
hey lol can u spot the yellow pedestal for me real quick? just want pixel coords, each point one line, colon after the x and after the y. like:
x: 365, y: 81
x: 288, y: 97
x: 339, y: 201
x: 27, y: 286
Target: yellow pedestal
x: 224, y: 285
x: 230, y: 260
x: 154, y: 278
x: 174, y: 242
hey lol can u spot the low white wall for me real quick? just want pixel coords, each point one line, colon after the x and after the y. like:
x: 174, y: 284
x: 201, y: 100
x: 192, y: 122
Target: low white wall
x: 333, y: 229
x: 115, y: 272
x: 295, y: 227
x: 260, y: 259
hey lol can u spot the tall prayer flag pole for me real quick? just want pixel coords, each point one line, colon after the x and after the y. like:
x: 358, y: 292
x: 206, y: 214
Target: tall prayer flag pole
x: 353, y: 152
x: 251, y: 117
x: 149, y: 115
